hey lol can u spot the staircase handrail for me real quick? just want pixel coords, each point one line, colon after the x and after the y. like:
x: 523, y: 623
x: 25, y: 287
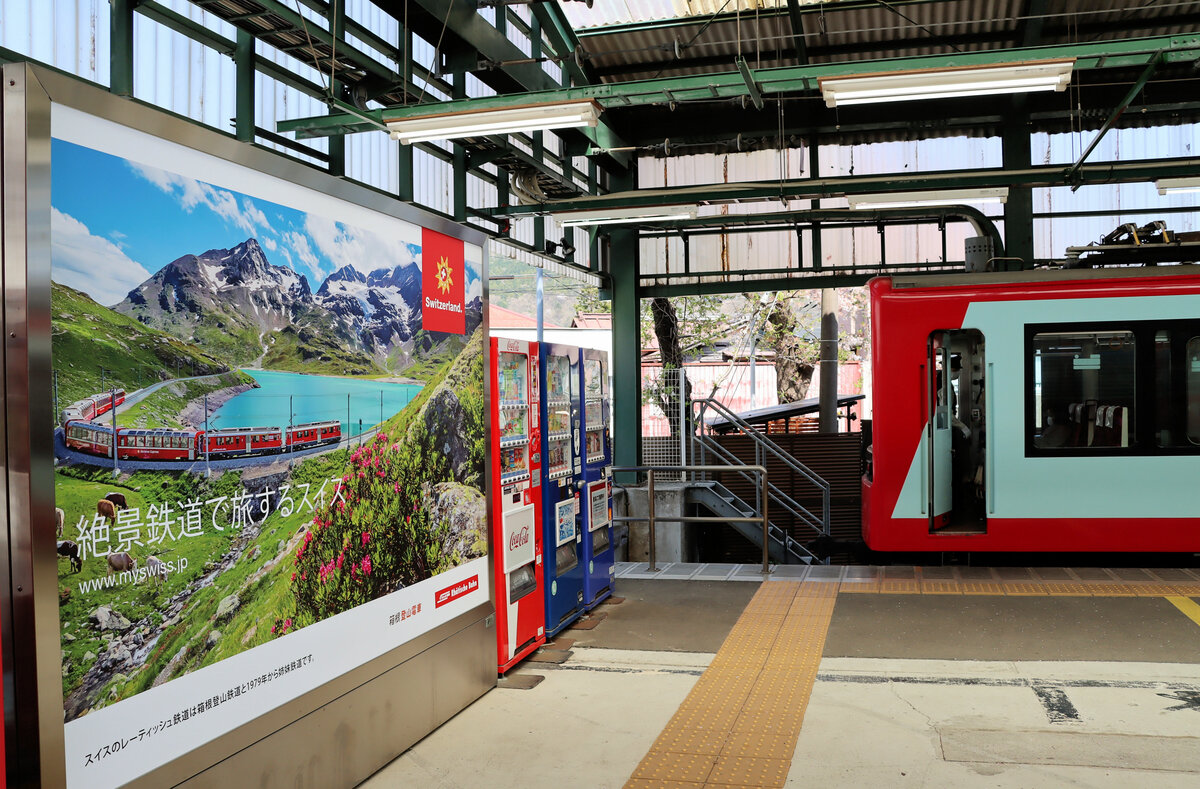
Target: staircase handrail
x: 765, y: 444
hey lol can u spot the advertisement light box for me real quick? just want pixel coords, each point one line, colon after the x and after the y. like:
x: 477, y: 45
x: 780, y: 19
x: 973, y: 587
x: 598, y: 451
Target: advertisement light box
x: 268, y: 440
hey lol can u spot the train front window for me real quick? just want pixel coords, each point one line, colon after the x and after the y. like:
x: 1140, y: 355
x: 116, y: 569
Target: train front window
x: 1084, y: 389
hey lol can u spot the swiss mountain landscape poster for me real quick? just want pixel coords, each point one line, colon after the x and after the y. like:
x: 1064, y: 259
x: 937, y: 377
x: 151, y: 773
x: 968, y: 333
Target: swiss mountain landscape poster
x: 255, y: 431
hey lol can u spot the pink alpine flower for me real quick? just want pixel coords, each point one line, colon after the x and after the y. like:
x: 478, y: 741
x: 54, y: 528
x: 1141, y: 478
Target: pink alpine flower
x: 366, y: 565
x: 366, y: 538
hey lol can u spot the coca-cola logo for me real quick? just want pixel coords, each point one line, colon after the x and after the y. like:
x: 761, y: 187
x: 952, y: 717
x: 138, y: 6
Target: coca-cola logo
x: 518, y: 538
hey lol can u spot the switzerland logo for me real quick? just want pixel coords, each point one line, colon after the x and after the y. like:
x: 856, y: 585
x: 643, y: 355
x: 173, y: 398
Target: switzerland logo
x: 443, y: 295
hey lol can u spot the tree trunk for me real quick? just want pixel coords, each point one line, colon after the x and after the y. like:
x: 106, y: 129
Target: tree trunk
x: 793, y: 355
x: 668, y: 395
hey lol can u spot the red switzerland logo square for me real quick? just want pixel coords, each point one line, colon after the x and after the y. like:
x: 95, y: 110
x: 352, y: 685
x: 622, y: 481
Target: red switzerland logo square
x: 443, y: 283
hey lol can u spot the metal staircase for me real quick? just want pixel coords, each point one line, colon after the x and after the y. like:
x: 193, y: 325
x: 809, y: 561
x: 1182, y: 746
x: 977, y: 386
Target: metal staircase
x: 717, y: 498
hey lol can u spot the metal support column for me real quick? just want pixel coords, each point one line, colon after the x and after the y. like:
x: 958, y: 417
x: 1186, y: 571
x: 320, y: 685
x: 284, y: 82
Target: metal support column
x: 243, y: 58
x: 1018, y: 209
x: 120, y: 49
x: 460, y: 158
x: 829, y: 354
x: 626, y: 349
x: 337, y: 143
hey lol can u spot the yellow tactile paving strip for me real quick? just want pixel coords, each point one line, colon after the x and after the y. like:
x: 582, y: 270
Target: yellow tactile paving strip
x: 972, y: 581
x: 739, y: 725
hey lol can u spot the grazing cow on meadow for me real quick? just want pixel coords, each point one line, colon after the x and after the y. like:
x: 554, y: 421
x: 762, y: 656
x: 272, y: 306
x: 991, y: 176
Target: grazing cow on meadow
x: 59, y: 517
x: 118, y: 500
x: 156, y: 568
x: 120, y: 562
x: 106, y: 509
x: 69, y: 550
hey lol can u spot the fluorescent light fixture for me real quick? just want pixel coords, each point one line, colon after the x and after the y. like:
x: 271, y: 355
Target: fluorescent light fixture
x: 1177, y: 186
x: 625, y: 216
x: 1002, y: 78
x: 998, y: 194
x: 529, y: 118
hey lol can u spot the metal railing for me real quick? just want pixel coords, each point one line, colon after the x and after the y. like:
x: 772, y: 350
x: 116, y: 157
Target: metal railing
x: 762, y: 447
x: 653, y: 519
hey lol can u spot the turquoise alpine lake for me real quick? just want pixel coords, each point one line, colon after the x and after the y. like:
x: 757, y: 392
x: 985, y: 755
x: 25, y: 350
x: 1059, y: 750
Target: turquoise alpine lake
x: 357, y: 403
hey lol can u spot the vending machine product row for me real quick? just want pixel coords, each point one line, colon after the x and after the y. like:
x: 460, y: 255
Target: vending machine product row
x: 562, y: 481
x: 516, y: 501
x: 598, y: 549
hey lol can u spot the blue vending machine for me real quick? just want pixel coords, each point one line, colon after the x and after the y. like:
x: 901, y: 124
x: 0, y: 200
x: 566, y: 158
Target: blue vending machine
x: 562, y: 480
x: 596, y: 496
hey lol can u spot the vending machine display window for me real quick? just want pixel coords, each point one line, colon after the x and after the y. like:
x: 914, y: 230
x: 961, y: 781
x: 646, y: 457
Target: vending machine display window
x: 595, y: 417
x: 558, y: 416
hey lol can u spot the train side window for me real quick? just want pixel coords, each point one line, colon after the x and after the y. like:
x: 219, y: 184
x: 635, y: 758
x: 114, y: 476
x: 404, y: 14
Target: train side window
x: 1192, y: 389
x: 1084, y: 385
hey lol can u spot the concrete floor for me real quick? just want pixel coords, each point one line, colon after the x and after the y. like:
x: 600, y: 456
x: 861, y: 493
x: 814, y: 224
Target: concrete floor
x: 930, y: 691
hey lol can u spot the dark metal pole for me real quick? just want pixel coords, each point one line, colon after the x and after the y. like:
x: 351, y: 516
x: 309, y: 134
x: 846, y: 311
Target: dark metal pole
x: 829, y: 350
x: 765, y: 523
x: 650, y: 514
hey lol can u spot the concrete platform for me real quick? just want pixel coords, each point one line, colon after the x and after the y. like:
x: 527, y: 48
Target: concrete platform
x: 927, y: 677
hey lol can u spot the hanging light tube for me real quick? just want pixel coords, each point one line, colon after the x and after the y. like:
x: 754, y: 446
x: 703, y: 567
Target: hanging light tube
x: 512, y: 120
x: 1177, y: 186
x: 1002, y: 78
x: 624, y: 216
x: 998, y: 194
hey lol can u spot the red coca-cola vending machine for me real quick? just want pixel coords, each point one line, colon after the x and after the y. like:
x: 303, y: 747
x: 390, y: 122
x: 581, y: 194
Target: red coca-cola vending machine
x: 516, y: 502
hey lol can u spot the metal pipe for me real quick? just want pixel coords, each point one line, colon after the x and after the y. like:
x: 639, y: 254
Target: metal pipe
x: 650, y: 513
x: 765, y: 524
x: 829, y: 349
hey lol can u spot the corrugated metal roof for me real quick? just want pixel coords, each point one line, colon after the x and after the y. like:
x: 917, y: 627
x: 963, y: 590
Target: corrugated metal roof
x: 699, y: 44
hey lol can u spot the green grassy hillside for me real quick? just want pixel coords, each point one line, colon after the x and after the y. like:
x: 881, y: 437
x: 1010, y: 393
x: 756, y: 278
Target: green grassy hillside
x: 161, y: 408
x: 96, y: 348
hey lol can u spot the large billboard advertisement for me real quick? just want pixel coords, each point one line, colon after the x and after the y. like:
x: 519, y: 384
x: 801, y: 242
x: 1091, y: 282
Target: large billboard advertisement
x: 269, y: 440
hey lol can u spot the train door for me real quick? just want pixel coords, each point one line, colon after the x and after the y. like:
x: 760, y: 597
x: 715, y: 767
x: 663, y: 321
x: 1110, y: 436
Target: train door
x: 956, y: 436
x: 941, y: 488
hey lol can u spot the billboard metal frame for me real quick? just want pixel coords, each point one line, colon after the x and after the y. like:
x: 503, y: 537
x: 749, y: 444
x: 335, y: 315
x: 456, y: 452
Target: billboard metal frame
x: 444, y: 669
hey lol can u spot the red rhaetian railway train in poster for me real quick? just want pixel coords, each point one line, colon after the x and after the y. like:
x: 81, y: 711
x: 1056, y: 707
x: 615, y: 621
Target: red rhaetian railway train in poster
x: 82, y: 433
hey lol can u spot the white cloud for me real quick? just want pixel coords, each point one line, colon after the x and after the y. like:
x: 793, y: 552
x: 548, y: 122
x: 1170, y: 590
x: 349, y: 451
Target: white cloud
x: 192, y: 193
x: 269, y: 243
x: 299, y: 244
x: 91, y: 263
x: 364, y: 250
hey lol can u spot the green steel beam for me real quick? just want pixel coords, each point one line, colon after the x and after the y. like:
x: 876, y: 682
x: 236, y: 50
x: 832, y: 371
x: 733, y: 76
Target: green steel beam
x: 185, y: 27
x: 1134, y: 90
x: 800, y: 279
x: 243, y: 60
x: 797, y: 21
x: 464, y: 20
x: 1101, y: 54
x: 120, y: 48
x: 562, y: 38
x: 812, y: 188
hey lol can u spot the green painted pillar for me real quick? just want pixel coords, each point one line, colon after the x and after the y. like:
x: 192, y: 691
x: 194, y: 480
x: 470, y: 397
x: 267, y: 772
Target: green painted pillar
x: 405, y: 175
x: 120, y: 50
x: 243, y: 58
x: 337, y: 143
x: 459, y: 91
x: 1018, y: 210
x: 626, y: 364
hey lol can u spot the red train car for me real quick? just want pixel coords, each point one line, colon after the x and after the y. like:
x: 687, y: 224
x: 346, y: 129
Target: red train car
x: 243, y: 441
x: 157, y: 444
x: 314, y: 434
x: 89, y: 437
x: 1050, y: 411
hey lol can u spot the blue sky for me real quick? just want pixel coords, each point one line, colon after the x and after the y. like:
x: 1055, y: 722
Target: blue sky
x: 107, y: 242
